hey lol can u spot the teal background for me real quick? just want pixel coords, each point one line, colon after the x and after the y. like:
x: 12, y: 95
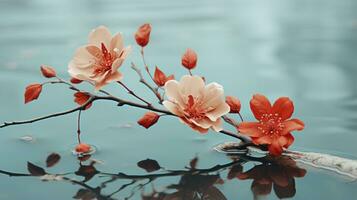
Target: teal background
x: 303, y: 49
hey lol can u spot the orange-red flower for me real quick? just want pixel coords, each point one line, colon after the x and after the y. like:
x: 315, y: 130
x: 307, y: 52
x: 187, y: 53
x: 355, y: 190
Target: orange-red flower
x: 99, y: 60
x: 160, y: 77
x: 279, y: 174
x: 274, y: 126
x: 142, y: 36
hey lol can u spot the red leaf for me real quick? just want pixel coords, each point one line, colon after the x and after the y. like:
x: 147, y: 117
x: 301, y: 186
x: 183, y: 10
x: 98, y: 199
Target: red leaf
x: 149, y: 119
x: 48, y: 71
x: 76, y: 81
x: 32, y: 92
x: 189, y: 59
x: 234, y: 104
x: 81, y: 98
x: 149, y: 165
x: 142, y: 35
x: 160, y: 78
x: 52, y: 159
x: 35, y: 170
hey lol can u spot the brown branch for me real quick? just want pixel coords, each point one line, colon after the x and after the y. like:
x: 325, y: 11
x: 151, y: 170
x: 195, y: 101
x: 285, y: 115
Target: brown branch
x: 131, y: 92
x: 143, y: 81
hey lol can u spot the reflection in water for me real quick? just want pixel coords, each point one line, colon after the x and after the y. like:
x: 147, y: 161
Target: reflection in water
x: 194, y: 183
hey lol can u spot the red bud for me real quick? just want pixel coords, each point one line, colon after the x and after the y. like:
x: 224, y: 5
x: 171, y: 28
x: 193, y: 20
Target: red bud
x: 142, y: 35
x: 76, y: 81
x: 48, y: 71
x: 149, y: 119
x: 81, y: 98
x: 82, y: 148
x: 189, y: 59
x: 160, y: 78
x: 32, y: 92
x: 234, y: 104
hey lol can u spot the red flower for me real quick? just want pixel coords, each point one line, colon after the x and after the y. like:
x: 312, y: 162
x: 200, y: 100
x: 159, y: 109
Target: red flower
x: 48, y: 71
x: 160, y: 77
x: 149, y: 119
x: 189, y: 59
x: 142, y: 36
x: 279, y: 174
x: 234, y: 104
x: 274, y: 126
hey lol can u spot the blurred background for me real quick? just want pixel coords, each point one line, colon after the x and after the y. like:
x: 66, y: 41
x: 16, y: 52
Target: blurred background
x: 298, y: 48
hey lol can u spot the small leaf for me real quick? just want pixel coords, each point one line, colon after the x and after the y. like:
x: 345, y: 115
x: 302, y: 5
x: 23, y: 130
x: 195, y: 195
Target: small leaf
x: 149, y: 119
x: 52, y: 159
x: 81, y: 98
x: 149, y: 165
x: 48, y: 71
x: 35, y: 170
x: 32, y: 92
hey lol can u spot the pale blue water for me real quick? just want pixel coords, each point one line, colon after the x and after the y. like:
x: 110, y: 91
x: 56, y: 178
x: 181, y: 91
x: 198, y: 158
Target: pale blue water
x: 299, y: 48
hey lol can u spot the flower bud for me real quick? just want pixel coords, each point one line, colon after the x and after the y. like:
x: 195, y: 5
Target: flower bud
x: 234, y: 104
x: 142, y: 35
x: 189, y: 59
x: 82, y: 148
x: 76, y: 81
x: 149, y: 119
x: 48, y: 71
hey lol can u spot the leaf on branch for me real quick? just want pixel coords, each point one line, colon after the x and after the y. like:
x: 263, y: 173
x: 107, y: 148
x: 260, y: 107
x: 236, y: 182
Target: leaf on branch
x: 149, y: 165
x: 48, y: 71
x: 160, y: 77
x: 52, y: 159
x: 32, y: 92
x: 81, y: 98
x: 149, y: 119
x: 35, y: 170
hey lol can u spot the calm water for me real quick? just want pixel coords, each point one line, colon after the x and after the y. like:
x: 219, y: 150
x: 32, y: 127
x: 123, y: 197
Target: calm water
x: 299, y: 48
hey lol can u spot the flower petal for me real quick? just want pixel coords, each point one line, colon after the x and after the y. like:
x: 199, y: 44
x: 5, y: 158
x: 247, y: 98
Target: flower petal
x: 217, y: 125
x: 192, y: 85
x: 260, y: 105
x: 275, y: 149
x: 172, y: 107
x: 193, y: 126
x: 116, y: 76
x: 266, y: 139
x: 218, y: 112
x: 117, y: 42
x: 172, y: 91
x: 250, y: 129
x: 99, y: 35
x: 292, y: 125
x: 289, y: 139
x: 284, y: 107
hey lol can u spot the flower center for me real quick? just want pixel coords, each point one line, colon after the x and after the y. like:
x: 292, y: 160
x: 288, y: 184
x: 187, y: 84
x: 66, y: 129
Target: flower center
x: 271, y: 124
x: 193, y: 110
x: 105, y: 63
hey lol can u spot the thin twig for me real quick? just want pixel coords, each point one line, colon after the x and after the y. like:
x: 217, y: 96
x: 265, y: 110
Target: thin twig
x: 131, y: 92
x: 79, y: 127
x: 144, y: 61
x: 143, y: 81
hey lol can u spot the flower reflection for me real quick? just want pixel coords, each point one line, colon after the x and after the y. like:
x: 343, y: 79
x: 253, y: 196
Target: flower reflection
x: 190, y: 183
x: 279, y: 174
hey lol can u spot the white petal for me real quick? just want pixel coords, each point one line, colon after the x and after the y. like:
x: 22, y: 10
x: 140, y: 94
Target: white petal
x: 99, y: 35
x: 172, y: 91
x: 218, y: 112
x: 213, y: 95
x: 82, y: 58
x: 117, y: 42
x: 173, y: 108
x: 192, y: 85
x: 217, y: 125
